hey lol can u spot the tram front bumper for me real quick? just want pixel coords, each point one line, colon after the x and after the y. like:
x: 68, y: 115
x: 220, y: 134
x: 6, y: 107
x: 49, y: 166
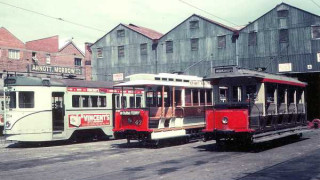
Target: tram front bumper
x: 131, y: 134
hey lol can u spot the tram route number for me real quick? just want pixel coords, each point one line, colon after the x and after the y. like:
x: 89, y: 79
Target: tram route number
x: 84, y: 120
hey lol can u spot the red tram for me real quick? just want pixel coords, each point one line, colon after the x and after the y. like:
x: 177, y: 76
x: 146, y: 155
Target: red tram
x: 254, y: 106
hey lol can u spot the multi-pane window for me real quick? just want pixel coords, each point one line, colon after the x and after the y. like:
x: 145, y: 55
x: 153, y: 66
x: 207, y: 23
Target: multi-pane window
x: 283, y: 13
x: 120, y: 51
x: 14, y: 54
x: 120, y: 33
x: 283, y: 36
x: 221, y: 41
x: 99, y: 53
x: 143, y: 49
x: 194, y: 24
x: 26, y: 99
x: 77, y: 61
x: 315, y: 32
x: 48, y: 59
x: 88, y: 101
x: 194, y: 44
x: 252, y: 41
x: 169, y: 46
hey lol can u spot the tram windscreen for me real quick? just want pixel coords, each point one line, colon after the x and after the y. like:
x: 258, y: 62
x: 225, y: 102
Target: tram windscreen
x: 12, y: 99
x: 26, y: 99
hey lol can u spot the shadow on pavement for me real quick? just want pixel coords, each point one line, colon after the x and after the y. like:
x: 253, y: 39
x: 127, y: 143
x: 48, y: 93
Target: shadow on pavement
x: 253, y: 148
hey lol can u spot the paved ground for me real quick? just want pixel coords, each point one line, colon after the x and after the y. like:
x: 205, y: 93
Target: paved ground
x: 283, y: 159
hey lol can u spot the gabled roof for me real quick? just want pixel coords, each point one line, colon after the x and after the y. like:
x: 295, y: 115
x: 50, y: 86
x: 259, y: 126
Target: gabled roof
x: 277, y: 7
x: 13, y: 39
x: 48, y: 44
x: 149, y: 33
x: 206, y: 19
x: 71, y: 43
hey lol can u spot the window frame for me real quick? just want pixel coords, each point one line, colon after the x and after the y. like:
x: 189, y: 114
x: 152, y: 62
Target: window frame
x: 286, y: 39
x: 76, y: 61
x: 194, y: 24
x: 194, y: 44
x: 220, y: 39
x: 169, y: 46
x: 120, y: 33
x: 14, y: 54
x: 121, y: 52
x: 144, y: 49
x: 99, y: 53
x: 32, y: 102
x: 252, y: 42
x: 312, y: 31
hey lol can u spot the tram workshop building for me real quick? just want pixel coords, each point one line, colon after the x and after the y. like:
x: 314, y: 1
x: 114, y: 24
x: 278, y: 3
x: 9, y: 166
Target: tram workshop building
x: 285, y: 40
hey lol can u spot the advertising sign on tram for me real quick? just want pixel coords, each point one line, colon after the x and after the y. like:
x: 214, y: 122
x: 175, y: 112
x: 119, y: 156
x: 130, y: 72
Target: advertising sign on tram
x: 84, y: 120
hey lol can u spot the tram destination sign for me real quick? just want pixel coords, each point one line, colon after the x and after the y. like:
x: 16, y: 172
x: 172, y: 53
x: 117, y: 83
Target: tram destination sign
x: 56, y: 69
x: 224, y: 70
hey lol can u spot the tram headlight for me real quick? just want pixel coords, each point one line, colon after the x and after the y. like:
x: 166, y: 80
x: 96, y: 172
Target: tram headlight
x: 224, y: 120
x: 8, y: 124
x: 129, y: 120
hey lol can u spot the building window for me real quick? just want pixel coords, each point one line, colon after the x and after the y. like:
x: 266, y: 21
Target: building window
x: 283, y: 13
x: 143, y: 49
x: 194, y: 24
x: 283, y: 36
x: 221, y: 41
x: 77, y: 61
x: 14, y: 54
x: 169, y: 46
x: 120, y: 33
x: 315, y: 32
x: 99, y: 53
x: 48, y: 59
x: 120, y: 51
x: 252, y: 41
x: 194, y: 44
x: 87, y: 62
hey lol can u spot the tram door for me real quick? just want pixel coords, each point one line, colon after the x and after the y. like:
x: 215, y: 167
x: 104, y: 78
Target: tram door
x: 57, y: 111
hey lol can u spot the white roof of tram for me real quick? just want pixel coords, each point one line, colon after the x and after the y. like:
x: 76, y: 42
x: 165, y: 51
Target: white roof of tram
x: 164, y: 79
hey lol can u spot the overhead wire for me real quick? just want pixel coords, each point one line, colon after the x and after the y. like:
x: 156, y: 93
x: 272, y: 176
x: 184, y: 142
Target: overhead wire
x: 52, y: 17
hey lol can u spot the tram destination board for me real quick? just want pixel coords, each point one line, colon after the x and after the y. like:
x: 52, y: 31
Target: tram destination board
x: 223, y: 70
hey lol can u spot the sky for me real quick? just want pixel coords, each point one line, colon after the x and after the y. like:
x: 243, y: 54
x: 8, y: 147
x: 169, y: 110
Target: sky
x: 103, y: 15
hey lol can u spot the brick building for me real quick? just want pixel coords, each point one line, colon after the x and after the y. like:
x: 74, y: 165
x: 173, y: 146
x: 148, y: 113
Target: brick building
x: 41, y: 57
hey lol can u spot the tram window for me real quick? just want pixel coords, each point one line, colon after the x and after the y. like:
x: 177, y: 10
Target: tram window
x: 290, y: 96
x: 26, y: 99
x: 177, y: 97
x: 102, y: 101
x: 281, y: 95
x: 236, y: 93
x: 159, y: 99
x: 299, y: 96
x: 209, y: 97
x: 2, y: 105
x: 12, y: 100
x: 251, y: 91
x: 270, y: 93
x: 223, y: 94
x: 94, y: 101
x: 85, y: 101
x: 75, y: 101
x: 131, y: 99
x: 188, y: 97
x: 138, y: 102
x: 195, y: 97
x: 151, y: 99
x: 124, y: 101
x: 167, y: 97
x: 202, y: 97
x: 117, y: 101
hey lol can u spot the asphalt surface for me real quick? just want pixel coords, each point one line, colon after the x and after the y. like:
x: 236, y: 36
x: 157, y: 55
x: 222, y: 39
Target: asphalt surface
x: 287, y: 158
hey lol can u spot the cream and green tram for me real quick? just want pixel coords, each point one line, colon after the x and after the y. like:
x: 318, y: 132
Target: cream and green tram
x: 42, y: 109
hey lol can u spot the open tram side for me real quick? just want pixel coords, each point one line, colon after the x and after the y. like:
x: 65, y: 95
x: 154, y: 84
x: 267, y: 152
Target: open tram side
x: 253, y: 106
x: 174, y: 108
x: 42, y: 109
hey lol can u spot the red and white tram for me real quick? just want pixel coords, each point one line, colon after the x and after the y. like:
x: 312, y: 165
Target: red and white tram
x: 174, y: 107
x: 254, y: 106
x: 42, y: 109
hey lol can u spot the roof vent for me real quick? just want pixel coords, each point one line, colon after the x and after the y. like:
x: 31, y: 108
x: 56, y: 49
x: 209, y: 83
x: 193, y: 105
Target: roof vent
x: 133, y: 25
